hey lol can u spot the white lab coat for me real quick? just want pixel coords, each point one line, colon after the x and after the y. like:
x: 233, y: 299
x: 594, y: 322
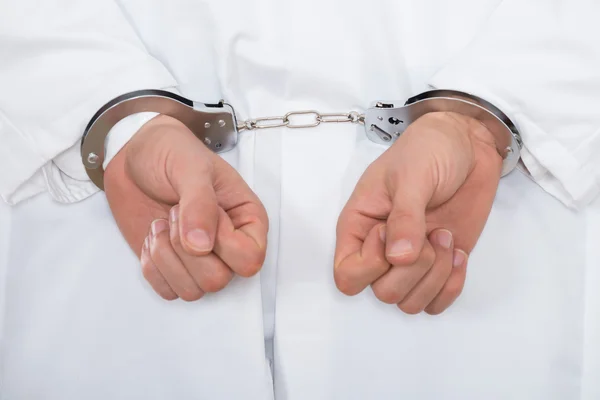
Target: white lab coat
x: 77, y: 321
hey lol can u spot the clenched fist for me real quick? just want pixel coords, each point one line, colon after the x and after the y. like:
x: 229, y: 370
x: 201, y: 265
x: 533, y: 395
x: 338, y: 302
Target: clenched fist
x: 417, y: 212
x: 186, y: 212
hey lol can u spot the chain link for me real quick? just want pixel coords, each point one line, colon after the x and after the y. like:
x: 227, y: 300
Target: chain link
x: 287, y: 120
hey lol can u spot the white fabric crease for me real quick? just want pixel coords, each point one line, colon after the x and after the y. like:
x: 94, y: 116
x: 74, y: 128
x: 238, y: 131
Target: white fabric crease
x: 78, y: 321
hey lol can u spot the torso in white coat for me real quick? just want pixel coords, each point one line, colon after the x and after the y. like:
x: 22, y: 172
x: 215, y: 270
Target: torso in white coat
x: 79, y: 322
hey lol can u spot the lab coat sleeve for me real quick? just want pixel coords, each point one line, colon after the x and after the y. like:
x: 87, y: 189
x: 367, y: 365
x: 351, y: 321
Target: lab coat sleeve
x: 60, y: 61
x: 539, y: 61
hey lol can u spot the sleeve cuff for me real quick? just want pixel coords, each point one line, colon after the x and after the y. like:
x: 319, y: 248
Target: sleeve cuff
x: 564, y: 174
x: 124, y: 130
x: 64, y: 176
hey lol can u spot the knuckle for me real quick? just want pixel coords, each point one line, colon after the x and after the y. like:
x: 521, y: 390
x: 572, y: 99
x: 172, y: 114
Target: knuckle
x: 399, y: 216
x: 344, y: 283
x: 168, y: 295
x: 151, y: 274
x: 216, y: 281
x: 410, y: 307
x: 387, y: 294
x: 253, y: 263
x: 190, y: 294
x: 250, y: 270
x: 454, y: 289
x: 148, y: 271
x: 213, y: 285
x: 435, y: 310
x: 404, y: 214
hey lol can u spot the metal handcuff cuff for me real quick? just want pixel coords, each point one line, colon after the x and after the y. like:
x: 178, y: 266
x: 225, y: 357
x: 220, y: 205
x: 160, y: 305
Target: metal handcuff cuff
x: 217, y: 127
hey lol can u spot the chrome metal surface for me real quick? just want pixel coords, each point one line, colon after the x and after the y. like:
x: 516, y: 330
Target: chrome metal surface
x: 385, y: 122
x: 202, y: 119
x: 216, y: 125
x: 288, y: 120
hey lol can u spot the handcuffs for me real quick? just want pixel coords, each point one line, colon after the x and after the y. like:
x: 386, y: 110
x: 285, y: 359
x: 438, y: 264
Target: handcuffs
x: 217, y: 127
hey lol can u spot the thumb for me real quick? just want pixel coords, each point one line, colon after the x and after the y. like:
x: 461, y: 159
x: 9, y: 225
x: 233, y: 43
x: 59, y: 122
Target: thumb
x: 406, y: 229
x: 427, y: 165
x: 198, y: 208
x: 412, y: 185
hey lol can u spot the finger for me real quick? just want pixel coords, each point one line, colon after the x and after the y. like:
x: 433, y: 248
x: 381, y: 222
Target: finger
x: 153, y: 275
x: 240, y: 203
x: 354, y: 224
x: 209, y: 271
x: 406, y: 229
x: 169, y: 264
x: 433, y: 282
x: 198, y: 212
x: 237, y: 248
x: 411, y: 188
x: 361, y: 268
x: 423, y: 169
x: 395, y: 285
x: 453, y: 286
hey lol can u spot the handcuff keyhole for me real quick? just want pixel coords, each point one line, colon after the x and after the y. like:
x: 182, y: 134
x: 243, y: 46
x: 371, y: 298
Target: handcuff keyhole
x: 218, y: 145
x: 395, y: 121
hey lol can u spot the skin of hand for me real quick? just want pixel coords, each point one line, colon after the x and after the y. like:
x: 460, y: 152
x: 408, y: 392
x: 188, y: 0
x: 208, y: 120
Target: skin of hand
x: 184, y: 211
x: 417, y: 213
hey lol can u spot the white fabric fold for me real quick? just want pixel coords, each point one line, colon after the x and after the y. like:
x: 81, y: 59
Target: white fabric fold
x: 539, y: 61
x: 56, y: 71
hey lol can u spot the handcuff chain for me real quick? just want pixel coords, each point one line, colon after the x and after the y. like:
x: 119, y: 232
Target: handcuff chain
x: 287, y: 120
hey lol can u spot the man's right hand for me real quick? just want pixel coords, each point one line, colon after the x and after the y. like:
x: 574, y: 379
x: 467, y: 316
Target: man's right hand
x: 184, y: 211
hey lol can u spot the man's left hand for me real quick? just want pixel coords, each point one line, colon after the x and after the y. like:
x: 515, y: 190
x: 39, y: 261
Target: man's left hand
x: 417, y: 212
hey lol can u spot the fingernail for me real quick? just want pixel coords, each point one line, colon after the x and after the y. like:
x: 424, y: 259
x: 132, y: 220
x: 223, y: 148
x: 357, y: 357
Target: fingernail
x: 158, y: 226
x: 444, y: 238
x: 199, y: 240
x: 382, y: 233
x: 459, y: 258
x: 174, y: 214
x: 401, y: 247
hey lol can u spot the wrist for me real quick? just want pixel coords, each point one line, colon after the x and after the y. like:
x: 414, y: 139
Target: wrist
x: 156, y: 136
x: 476, y: 130
x: 386, y: 122
x: 470, y: 130
x: 123, y: 131
x: 481, y: 139
x: 129, y: 140
x: 458, y: 137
